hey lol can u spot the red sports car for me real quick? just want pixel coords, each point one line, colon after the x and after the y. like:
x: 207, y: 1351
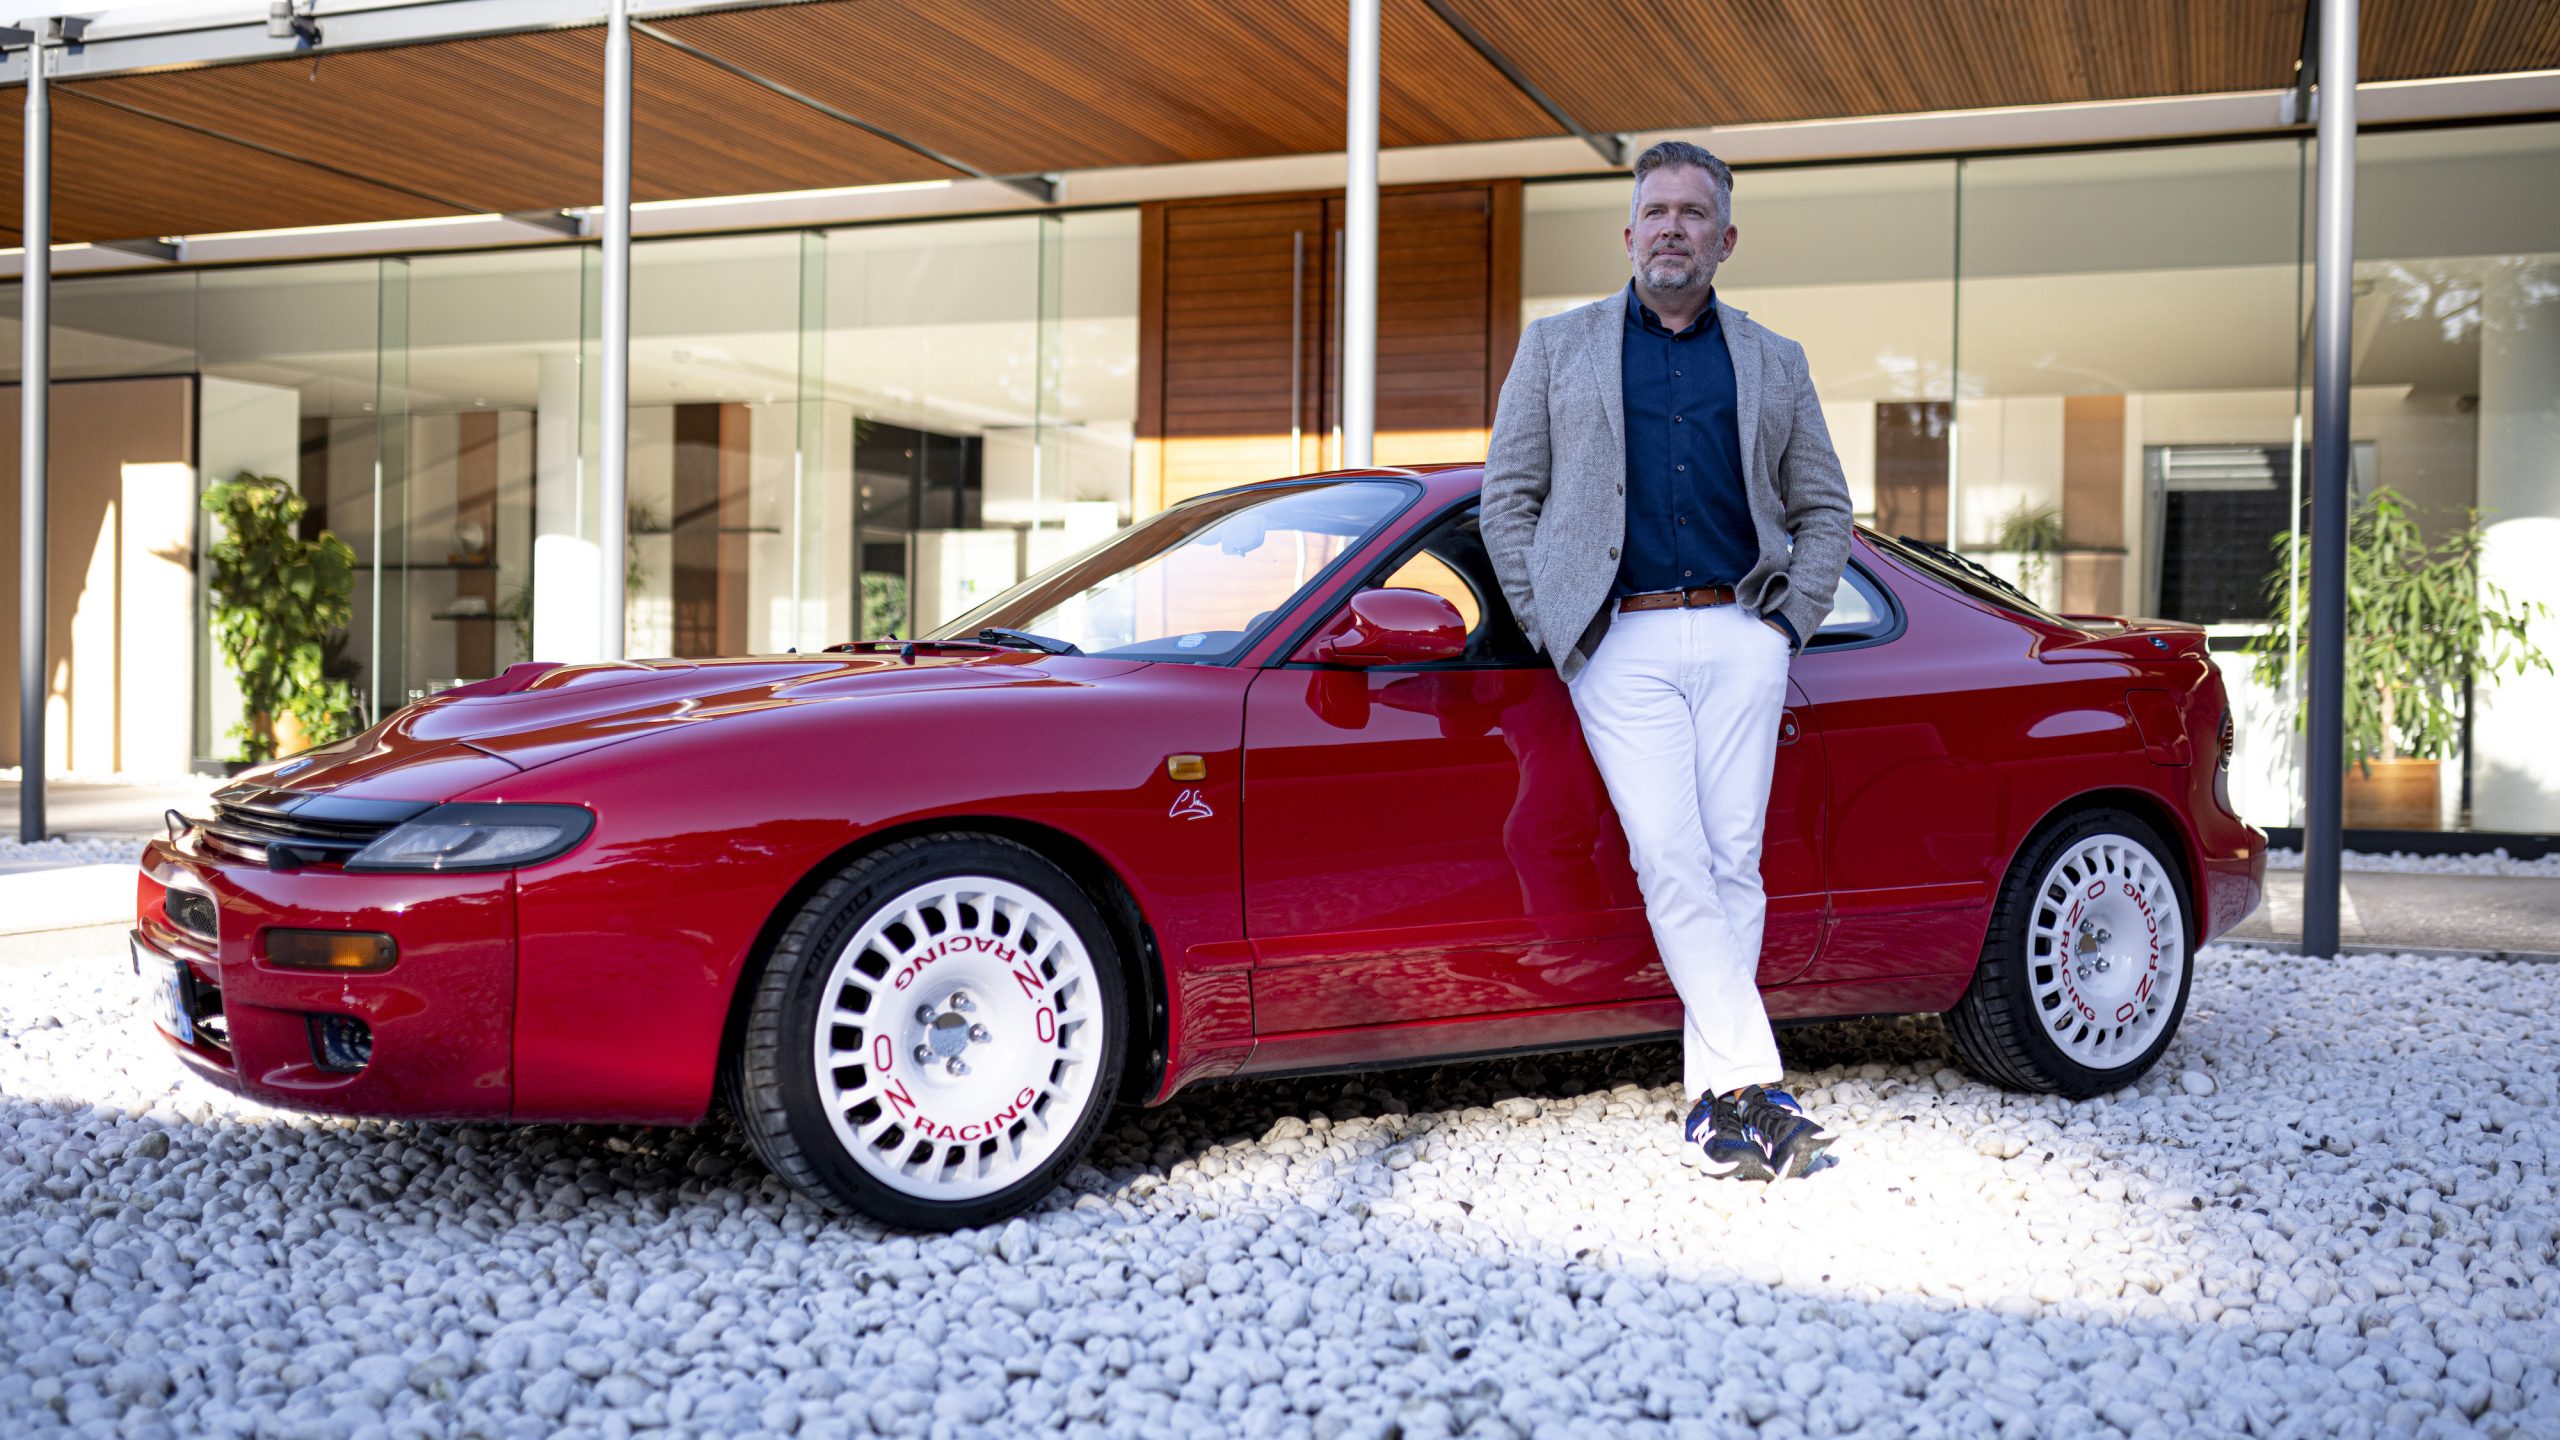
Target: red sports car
x: 1268, y: 782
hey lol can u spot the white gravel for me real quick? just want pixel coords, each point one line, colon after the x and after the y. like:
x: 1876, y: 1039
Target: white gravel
x: 2329, y: 1212
x: 70, y: 852
x: 2496, y: 862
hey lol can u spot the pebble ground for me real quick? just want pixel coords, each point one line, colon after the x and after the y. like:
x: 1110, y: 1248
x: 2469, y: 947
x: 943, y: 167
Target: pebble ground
x: 2329, y: 1212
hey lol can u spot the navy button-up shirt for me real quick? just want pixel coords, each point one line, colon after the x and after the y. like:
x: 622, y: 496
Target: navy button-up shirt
x: 1688, y: 518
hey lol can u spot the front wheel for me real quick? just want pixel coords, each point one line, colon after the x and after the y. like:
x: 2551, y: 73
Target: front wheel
x: 2085, y: 971
x: 938, y: 1034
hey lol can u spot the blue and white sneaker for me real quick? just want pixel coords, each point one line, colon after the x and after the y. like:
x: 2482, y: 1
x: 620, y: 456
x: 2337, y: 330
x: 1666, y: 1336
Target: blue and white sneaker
x: 1717, y: 1127
x: 1792, y: 1140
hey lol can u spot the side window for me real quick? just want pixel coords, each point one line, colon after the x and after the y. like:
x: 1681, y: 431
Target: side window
x: 1450, y: 561
x: 1861, y: 611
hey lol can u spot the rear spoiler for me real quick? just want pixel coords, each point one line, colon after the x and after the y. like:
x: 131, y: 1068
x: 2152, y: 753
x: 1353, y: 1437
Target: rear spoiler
x: 2123, y: 639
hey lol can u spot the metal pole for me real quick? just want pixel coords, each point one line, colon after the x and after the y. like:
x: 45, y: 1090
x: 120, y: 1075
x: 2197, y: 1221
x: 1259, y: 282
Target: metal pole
x: 2332, y: 320
x: 35, y: 395
x: 616, y: 399
x: 1360, y: 246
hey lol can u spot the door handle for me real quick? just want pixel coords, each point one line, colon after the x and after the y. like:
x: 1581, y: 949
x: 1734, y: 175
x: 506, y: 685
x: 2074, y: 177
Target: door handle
x: 1788, y: 729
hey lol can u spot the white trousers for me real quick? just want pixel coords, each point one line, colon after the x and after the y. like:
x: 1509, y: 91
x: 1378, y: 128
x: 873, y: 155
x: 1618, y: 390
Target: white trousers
x: 1681, y: 709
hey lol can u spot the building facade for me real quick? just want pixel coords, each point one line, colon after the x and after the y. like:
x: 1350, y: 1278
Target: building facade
x: 2084, y: 366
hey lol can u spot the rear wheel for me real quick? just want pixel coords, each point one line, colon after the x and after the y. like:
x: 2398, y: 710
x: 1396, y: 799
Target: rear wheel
x: 2085, y: 971
x: 938, y: 1035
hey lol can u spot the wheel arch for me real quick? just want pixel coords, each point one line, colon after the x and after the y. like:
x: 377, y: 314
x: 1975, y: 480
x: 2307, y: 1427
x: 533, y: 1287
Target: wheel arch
x: 2151, y: 810
x: 1142, y: 961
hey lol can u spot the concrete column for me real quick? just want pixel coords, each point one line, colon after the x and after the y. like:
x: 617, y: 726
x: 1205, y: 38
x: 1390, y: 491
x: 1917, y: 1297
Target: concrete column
x: 568, y: 582
x: 2515, y: 781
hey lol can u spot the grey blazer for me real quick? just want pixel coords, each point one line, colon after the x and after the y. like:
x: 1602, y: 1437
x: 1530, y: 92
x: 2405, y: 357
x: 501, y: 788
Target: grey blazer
x: 1555, y: 479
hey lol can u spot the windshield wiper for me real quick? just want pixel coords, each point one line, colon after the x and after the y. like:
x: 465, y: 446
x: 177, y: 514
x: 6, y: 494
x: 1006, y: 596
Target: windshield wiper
x: 1980, y: 572
x: 1046, y: 645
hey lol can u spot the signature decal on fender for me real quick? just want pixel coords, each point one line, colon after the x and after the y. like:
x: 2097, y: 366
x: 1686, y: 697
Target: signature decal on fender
x: 1189, y: 806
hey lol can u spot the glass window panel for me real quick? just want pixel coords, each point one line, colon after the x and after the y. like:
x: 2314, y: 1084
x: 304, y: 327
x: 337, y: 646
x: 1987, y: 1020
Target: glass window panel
x: 1855, y: 263
x: 715, y: 433
x: 2456, y: 366
x: 123, y: 325
x: 2130, y: 324
x: 492, y: 424
x: 934, y: 364
x: 2109, y: 303
x: 289, y: 355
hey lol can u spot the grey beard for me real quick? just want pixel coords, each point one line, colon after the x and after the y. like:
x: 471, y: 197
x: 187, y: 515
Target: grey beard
x: 1662, y: 280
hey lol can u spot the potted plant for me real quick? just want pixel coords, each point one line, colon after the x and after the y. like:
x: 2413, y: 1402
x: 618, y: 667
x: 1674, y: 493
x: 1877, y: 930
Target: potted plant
x: 2034, y: 534
x: 280, y: 607
x: 2421, y: 627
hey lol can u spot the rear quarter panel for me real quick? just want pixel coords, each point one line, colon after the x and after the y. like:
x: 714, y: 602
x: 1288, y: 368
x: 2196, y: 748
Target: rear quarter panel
x: 1948, y: 747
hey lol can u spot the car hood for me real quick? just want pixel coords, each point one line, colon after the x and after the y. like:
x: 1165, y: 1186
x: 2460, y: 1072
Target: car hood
x: 538, y: 712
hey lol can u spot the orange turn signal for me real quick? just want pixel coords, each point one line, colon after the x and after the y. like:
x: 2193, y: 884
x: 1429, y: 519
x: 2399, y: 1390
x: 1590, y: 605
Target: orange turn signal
x: 331, y: 950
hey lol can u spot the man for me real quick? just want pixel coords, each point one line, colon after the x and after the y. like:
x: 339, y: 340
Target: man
x: 1664, y: 509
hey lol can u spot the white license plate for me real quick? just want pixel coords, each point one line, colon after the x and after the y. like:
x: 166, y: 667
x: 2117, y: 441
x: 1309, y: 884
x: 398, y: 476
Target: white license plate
x: 167, y: 989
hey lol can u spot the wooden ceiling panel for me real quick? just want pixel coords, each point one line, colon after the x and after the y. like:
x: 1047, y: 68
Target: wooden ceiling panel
x: 2418, y: 39
x: 1685, y: 63
x: 516, y: 122
x: 119, y: 177
x: 1022, y: 86
x: 1018, y: 86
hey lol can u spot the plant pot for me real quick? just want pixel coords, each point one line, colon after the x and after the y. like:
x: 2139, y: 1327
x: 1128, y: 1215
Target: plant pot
x: 291, y: 738
x: 2398, y: 795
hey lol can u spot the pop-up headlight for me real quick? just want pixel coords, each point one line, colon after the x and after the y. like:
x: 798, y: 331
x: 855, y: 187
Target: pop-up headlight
x: 477, y: 837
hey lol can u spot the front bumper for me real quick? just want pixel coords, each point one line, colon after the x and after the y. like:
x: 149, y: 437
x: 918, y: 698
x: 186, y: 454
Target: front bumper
x: 442, y: 1019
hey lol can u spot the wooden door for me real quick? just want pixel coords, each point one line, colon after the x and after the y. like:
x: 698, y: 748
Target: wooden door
x: 1232, y: 291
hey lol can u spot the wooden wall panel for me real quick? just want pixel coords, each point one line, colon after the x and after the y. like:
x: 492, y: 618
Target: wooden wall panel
x: 1214, y: 377
x: 2093, y: 472
x: 1146, y: 481
x: 1224, y: 346
x: 1502, y: 291
x: 1435, y: 292
x: 711, y: 541
x: 475, y: 502
x: 1911, y: 468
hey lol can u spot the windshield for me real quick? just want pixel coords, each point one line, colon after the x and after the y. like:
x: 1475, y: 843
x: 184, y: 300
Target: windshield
x: 1198, y: 581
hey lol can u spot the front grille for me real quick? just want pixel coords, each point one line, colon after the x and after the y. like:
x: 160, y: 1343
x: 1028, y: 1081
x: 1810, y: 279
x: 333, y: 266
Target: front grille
x: 288, y: 829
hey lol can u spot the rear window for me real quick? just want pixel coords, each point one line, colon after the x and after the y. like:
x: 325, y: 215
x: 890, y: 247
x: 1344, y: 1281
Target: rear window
x: 1967, y: 578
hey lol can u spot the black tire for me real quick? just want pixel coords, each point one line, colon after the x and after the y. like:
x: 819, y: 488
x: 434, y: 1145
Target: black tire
x: 786, y: 1102
x: 2003, y: 1031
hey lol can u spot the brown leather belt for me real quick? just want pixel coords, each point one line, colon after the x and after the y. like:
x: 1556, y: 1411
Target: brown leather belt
x: 1679, y: 599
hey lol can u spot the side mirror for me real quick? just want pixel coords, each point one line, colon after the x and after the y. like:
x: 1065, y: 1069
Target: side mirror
x: 1390, y: 627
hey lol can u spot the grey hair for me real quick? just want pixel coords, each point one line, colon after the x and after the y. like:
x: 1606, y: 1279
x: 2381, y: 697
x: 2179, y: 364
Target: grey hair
x: 1681, y: 155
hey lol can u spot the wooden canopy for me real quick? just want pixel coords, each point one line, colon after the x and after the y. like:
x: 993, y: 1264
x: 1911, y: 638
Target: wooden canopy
x: 933, y: 89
